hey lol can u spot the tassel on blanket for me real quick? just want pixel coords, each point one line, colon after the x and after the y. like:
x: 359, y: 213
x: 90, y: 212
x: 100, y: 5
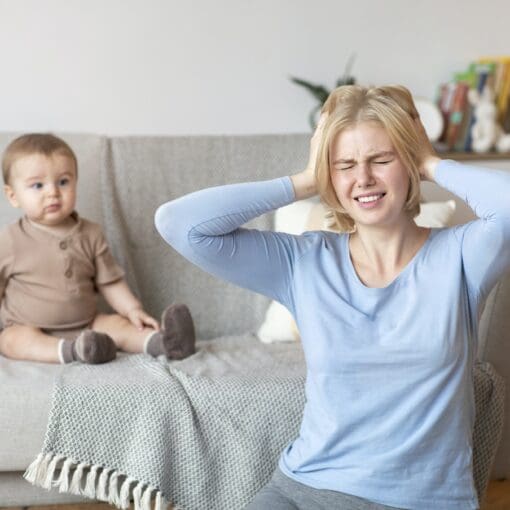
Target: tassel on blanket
x: 31, y: 472
x: 63, y: 481
x: 75, y: 487
x: 43, y: 472
x: 37, y: 472
x: 43, y: 469
x: 102, y: 485
x: 145, y: 502
x: 90, y: 485
x: 125, y: 492
x: 161, y: 503
x: 50, y: 474
x: 113, y: 489
x: 137, y: 496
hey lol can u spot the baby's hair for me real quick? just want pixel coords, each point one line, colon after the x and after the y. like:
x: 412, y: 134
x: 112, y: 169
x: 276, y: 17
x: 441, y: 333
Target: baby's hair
x: 34, y: 143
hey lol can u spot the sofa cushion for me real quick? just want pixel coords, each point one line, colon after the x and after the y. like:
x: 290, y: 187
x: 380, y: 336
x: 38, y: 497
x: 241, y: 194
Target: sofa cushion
x: 26, y: 390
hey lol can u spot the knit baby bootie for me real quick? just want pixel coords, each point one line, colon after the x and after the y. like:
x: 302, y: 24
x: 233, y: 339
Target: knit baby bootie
x: 89, y: 347
x: 176, y: 340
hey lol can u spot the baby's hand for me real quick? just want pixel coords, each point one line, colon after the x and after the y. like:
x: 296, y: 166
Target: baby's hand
x: 140, y: 319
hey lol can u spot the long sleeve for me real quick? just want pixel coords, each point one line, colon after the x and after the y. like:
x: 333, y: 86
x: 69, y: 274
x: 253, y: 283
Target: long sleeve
x: 485, y: 241
x: 205, y: 227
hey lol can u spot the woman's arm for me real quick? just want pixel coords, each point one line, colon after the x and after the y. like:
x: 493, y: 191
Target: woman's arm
x: 486, y: 241
x: 205, y: 227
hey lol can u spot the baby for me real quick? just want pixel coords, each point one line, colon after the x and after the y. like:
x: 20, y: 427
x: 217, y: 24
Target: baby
x: 53, y: 263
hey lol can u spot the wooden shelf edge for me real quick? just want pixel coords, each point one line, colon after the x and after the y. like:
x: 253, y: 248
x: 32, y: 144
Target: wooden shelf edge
x: 475, y: 156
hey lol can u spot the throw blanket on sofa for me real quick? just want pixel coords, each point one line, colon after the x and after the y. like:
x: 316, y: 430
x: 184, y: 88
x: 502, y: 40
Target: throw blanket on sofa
x: 205, y: 432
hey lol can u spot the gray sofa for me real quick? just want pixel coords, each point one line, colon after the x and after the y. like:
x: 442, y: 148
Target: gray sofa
x: 121, y: 183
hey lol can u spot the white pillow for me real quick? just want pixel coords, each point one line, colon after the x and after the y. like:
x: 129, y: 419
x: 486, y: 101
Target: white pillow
x: 435, y: 214
x: 279, y: 325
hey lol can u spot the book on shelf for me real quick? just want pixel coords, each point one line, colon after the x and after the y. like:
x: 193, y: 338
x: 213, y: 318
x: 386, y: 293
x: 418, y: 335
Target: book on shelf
x: 456, y: 108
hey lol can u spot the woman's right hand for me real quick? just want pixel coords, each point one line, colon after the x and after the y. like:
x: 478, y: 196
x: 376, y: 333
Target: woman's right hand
x: 304, y: 182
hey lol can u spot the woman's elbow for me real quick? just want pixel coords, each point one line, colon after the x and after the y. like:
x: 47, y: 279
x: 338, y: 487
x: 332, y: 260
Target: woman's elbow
x: 167, y: 223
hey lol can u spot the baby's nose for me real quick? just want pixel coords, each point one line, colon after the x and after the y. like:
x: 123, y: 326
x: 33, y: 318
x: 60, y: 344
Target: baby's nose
x: 53, y: 189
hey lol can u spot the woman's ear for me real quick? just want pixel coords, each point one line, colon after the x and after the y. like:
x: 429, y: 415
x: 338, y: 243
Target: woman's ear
x: 11, y: 196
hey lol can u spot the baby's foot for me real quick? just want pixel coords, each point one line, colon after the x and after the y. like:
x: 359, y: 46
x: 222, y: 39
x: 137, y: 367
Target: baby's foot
x: 178, y: 332
x: 176, y: 340
x: 90, y: 347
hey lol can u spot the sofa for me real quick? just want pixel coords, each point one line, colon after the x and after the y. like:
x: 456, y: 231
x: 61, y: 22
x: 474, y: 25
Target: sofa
x: 122, y: 181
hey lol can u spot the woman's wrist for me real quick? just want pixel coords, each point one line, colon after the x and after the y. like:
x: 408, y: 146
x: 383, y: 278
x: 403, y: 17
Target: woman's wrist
x: 304, y: 184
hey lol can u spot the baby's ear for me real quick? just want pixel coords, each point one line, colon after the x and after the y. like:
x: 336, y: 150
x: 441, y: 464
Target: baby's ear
x: 11, y: 196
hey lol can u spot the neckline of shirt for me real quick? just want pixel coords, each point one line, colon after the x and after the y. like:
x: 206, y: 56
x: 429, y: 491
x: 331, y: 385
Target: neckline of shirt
x: 397, y: 280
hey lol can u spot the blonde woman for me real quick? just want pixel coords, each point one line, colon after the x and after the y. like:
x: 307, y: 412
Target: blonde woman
x: 387, y: 311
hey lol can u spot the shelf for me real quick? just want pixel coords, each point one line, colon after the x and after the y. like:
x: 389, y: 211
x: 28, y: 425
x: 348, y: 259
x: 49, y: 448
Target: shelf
x: 475, y: 156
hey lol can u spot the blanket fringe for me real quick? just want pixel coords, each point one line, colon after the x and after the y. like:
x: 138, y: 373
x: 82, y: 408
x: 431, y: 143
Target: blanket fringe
x: 94, y: 481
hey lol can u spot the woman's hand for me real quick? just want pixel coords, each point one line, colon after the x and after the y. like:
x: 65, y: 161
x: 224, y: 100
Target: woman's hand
x: 304, y: 182
x: 429, y: 158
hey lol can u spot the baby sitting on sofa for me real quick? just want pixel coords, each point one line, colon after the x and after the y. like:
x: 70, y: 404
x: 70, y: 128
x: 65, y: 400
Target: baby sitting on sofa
x: 53, y: 263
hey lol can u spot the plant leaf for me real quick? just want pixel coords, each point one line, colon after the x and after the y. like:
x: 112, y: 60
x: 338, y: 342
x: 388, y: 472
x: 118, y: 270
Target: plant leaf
x: 318, y: 91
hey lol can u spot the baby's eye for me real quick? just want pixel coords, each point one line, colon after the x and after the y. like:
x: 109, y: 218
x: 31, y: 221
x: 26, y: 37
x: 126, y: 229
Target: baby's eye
x: 385, y: 162
x: 63, y: 181
x: 36, y: 185
x: 345, y: 167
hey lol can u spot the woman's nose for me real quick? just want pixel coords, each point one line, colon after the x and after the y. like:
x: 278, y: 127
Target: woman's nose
x: 364, y: 176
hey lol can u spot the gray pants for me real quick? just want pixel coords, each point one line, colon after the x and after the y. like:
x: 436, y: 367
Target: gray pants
x: 283, y: 493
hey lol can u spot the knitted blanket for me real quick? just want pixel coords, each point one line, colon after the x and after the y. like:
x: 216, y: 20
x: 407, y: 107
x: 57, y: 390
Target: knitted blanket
x: 204, y: 432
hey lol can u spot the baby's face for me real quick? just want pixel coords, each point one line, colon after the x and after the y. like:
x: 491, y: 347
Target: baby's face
x: 44, y: 187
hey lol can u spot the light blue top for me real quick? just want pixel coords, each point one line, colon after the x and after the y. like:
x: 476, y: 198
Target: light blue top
x: 389, y: 395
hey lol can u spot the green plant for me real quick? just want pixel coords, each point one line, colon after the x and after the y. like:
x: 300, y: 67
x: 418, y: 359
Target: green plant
x: 321, y: 93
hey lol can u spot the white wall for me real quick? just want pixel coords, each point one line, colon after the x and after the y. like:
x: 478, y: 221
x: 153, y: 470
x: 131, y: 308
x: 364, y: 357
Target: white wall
x: 221, y: 66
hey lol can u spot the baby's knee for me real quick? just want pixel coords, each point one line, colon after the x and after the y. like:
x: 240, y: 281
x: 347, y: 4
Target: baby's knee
x: 11, y: 336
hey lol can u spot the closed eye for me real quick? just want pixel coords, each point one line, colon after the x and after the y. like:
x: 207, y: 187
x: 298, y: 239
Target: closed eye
x: 383, y: 162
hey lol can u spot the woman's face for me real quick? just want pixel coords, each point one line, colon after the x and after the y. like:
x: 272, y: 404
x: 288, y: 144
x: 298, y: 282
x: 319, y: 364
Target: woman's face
x: 369, y: 179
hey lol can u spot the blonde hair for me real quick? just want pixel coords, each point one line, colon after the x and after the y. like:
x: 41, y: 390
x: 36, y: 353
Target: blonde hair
x: 393, y: 108
x: 34, y: 143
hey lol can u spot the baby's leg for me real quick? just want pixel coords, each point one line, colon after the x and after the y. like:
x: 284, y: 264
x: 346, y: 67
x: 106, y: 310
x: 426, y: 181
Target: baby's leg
x: 29, y: 344
x: 126, y: 336
x: 176, y: 340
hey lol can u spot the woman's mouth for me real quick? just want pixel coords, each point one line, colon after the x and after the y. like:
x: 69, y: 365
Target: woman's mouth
x: 369, y: 201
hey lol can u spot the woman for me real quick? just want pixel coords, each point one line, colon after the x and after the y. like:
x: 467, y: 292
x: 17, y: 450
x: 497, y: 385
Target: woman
x: 387, y: 312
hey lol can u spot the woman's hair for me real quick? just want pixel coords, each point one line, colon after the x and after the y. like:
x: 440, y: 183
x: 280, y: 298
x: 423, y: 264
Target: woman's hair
x: 390, y: 106
x: 34, y: 143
